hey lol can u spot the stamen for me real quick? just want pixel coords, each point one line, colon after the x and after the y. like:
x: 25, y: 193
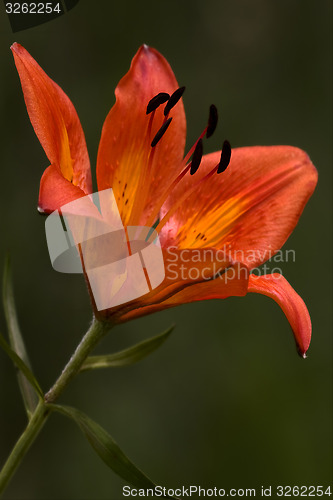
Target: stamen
x: 197, y: 156
x: 208, y: 131
x: 161, y: 132
x: 212, y: 121
x: 224, y: 162
x: 156, y: 101
x: 225, y: 157
x: 184, y: 166
x: 173, y: 100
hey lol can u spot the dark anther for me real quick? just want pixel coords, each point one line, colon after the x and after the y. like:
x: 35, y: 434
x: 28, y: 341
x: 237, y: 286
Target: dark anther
x: 212, y: 121
x: 173, y: 100
x: 156, y: 101
x: 160, y: 132
x: 225, y: 157
x: 196, y: 158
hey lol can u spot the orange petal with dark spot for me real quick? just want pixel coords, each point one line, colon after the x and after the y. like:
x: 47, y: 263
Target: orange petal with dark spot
x: 123, y: 162
x: 249, y: 210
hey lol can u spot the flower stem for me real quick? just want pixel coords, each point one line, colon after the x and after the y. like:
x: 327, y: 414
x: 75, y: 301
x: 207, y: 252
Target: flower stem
x: 42, y: 411
x: 89, y: 341
x: 23, y: 444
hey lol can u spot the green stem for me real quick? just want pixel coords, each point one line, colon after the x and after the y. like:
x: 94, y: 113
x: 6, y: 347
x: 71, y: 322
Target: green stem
x: 42, y: 411
x: 23, y: 444
x: 89, y: 341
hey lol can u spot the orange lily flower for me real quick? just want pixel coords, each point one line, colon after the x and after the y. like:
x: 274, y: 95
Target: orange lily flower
x: 239, y: 216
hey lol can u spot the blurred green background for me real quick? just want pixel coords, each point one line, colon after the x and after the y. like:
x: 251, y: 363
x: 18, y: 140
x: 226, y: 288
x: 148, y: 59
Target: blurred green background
x: 226, y: 402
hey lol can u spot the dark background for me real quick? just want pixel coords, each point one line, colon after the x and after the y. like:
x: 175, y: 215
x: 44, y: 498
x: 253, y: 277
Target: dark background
x: 226, y: 402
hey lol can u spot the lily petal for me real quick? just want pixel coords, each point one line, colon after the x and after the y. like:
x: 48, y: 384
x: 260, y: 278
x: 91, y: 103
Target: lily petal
x: 277, y: 288
x: 232, y: 283
x: 249, y: 210
x: 55, y: 122
x: 123, y: 162
x: 55, y: 191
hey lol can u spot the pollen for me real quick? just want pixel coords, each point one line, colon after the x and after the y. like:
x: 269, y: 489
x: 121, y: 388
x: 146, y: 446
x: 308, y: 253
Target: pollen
x: 175, y: 97
x: 225, y: 157
x: 212, y: 121
x: 156, y: 101
x: 197, y: 156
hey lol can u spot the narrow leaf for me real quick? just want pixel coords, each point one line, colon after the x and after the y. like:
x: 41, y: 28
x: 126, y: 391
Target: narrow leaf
x: 127, y: 356
x: 106, y: 448
x: 20, y: 365
x: 16, y: 341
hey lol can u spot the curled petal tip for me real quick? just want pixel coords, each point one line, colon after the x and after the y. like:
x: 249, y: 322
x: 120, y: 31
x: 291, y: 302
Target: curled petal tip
x: 301, y: 350
x: 277, y: 288
x: 301, y: 353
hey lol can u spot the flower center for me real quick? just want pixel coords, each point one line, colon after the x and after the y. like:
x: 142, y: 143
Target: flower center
x: 185, y: 167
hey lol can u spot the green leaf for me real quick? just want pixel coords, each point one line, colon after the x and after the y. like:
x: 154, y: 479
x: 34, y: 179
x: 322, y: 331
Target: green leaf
x: 127, y: 356
x: 21, y: 365
x: 17, y: 352
x: 106, y: 448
